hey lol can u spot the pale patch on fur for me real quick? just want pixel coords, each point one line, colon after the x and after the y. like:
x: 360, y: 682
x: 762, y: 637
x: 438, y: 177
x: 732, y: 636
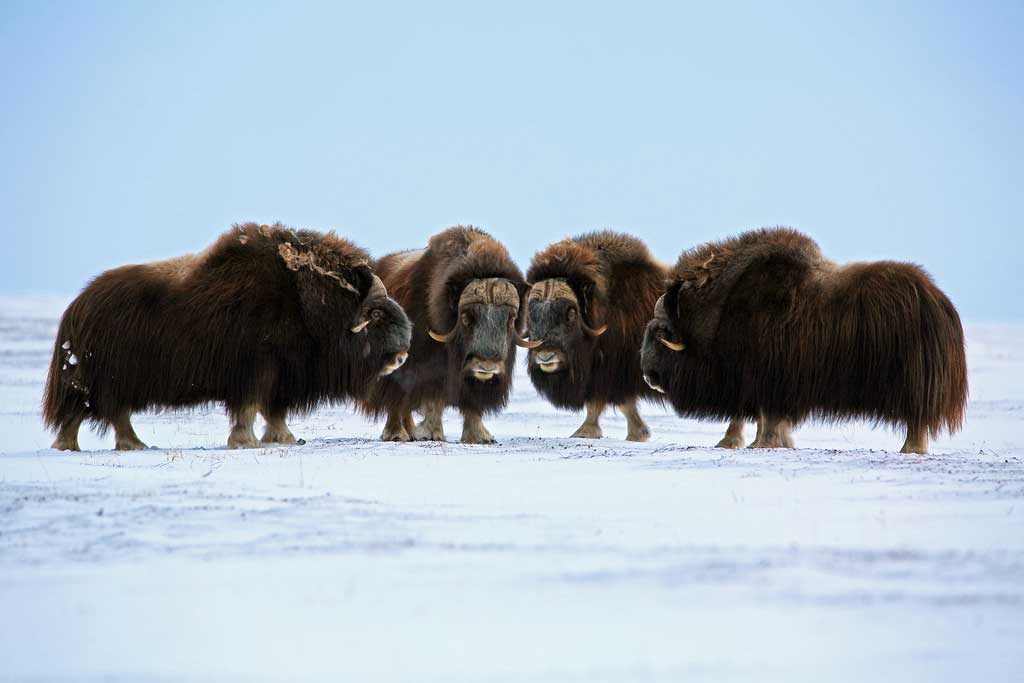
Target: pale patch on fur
x: 178, y: 268
x: 406, y: 259
x: 294, y: 260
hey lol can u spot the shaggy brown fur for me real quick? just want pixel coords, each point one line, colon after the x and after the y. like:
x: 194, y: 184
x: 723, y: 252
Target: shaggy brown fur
x: 429, y: 284
x: 259, y: 320
x: 773, y: 329
x: 602, y: 279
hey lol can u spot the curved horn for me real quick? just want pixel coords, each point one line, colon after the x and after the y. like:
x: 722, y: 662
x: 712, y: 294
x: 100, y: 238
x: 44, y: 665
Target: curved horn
x: 593, y: 332
x: 526, y: 344
x: 377, y: 288
x: 675, y: 346
x: 659, y: 307
x: 443, y: 338
x: 360, y: 327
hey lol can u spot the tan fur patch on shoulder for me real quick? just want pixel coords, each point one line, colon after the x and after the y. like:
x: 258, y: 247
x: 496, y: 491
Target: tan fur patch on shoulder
x: 176, y: 269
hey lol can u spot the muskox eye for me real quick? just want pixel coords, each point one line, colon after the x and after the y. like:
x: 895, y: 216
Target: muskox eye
x: 570, y: 315
x: 466, y: 320
x: 377, y: 315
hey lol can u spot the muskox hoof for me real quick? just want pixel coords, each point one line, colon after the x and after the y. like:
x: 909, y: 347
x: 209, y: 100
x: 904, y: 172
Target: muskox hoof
x: 642, y: 433
x: 242, y: 441
x: 589, y: 431
x: 129, y: 444
x: 395, y: 435
x: 477, y: 435
x: 732, y: 442
x: 773, y: 442
x: 65, y: 445
x: 424, y: 432
x: 914, y: 449
x: 278, y: 436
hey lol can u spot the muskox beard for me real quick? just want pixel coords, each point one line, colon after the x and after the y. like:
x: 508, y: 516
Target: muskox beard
x: 472, y: 395
x: 568, y: 388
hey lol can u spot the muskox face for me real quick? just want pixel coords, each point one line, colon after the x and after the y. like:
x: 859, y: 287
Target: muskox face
x: 658, y: 355
x: 383, y: 329
x: 481, y: 346
x: 557, y: 323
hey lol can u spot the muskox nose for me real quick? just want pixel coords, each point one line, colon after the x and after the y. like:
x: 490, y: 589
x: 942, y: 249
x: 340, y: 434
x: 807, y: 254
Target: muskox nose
x: 483, y: 369
x: 545, y: 357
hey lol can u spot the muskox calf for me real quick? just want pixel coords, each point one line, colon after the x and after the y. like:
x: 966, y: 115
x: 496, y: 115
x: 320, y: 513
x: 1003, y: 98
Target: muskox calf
x: 763, y: 326
x: 463, y: 294
x: 266, y: 320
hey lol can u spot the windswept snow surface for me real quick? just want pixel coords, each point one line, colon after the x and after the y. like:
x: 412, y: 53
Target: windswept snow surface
x: 542, y: 558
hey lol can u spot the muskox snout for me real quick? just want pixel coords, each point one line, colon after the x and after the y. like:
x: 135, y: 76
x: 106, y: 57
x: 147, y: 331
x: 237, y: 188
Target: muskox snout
x: 396, y: 361
x: 654, y: 380
x: 549, y: 360
x: 484, y: 370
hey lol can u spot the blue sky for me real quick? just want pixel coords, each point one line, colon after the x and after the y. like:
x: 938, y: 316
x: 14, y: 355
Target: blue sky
x: 133, y: 132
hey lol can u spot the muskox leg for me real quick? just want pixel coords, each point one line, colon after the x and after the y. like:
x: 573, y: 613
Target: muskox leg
x: 756, y: 443
x: 430, y: 427
x: 773, y: 432
x: 917, y: 441
x: 734, y: 434
x: 242, y: 435
x: 125, y: 438
x: 276, y: 429
x: 636, y: 428
x: 67, y: 437
x: 408, y: 423
x: 473, y: 430
x: 591, y: 427
x: 395, y: 428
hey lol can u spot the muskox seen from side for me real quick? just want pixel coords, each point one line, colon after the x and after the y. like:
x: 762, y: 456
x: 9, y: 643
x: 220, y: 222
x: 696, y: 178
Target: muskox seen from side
x: 268, y: 320
x: 463, y: 295
x: 763, y: 326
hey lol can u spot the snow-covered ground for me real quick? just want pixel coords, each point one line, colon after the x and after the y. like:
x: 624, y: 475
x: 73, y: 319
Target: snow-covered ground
x: 542, y: 558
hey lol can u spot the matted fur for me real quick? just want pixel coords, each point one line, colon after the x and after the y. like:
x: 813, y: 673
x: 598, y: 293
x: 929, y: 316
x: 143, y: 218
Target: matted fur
x: 773, y: 327
x: 428, y: 284
x: 616, y: 282
x: 262, y: 317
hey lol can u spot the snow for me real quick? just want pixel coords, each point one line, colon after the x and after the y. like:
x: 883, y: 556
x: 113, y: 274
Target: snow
x: 542, y: 558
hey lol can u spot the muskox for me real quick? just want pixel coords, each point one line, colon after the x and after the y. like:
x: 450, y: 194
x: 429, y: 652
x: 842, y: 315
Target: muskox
x: 589, y: 301
x: 763, y: 326
x: 463, y: 295
x: 268, y: 320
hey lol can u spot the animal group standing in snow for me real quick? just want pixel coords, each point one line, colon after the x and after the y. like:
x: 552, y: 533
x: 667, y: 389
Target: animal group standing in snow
x: 277, y: 321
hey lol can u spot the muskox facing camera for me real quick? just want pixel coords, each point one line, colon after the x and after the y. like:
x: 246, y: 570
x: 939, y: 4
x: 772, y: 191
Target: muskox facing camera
x: 590, y: 298
x: 268, y: 320
x: 763, y: 326
x: 463, y: 294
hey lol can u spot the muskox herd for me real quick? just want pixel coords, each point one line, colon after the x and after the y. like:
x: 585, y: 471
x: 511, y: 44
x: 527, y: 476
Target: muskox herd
x: 276, y: 321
